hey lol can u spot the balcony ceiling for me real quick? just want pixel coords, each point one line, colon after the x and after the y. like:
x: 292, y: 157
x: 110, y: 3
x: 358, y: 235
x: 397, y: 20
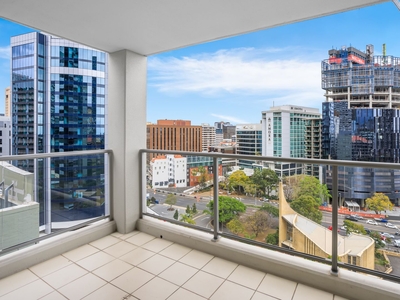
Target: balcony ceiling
x: 149, y: 26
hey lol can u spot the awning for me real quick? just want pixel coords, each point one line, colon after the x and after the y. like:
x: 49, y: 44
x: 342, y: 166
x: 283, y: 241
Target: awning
x: 352, y: 204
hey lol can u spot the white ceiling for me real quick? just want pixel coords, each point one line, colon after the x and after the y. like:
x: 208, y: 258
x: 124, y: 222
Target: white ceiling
x: 152, y: 26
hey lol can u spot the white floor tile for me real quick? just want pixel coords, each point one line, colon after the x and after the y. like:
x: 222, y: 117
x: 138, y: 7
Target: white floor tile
x: 64, y: 276
x: 175, y: 251
x: 183, y: 294
x: 203, y: 284
x: 277, y: 287
x: 119, y: 249
x: 33, y: 290
x: 220, y: 267
x: 81, y: 252
x: 178, y: 273
x: 260, y: 296
x: 156, y: 264
x: 50, y: 266
x: 107, y: 292
x: 112, y: 270
x: 137, y: 256
x: 132, y: 280
x: 95, y: 261
x: 229, y: 290
x: 125, y: 236
x: 156, y: 289
x: 16, y: 281
x: 82, y: 287
x: 140, y: 239
x: 53, y: 296
x: 304, y: 292
x: 105, y: 242
x: 196, y: 259
x: 157, y: 245
x: 247, y: 277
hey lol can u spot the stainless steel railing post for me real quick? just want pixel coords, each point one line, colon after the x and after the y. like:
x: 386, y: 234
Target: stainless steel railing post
x: 334, y: 269
x: 216, y: 206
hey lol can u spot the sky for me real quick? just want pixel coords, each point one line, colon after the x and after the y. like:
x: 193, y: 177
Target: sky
x: 235, y: 79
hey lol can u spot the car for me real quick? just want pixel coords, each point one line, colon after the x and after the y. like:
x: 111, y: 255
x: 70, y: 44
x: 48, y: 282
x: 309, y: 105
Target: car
x: 396, y: 243
x: 343, y: 227
x: 351, y: 218
x: 390, y: 225
x: 367, y: 230
x: 397, y: 233
x: 387, y: 235
x: 372, y: 222
x: 381, y: 220
x: 358, y: 217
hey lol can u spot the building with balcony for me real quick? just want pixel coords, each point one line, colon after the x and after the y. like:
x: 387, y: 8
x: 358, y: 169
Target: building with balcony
x: 88, y: 260
x: 208, y: 136
x: 58, y: 105
x: 361, y: 119
x: 7, y: 103
x: 313, y: 145
x: 168, y: 171
x: 285, y: 134
x: 5, y: 135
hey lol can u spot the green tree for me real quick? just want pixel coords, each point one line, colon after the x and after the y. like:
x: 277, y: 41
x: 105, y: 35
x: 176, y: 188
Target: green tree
x: 237, y: 180
x: 272, y: 210
x: 171, y: 200
x: 307, y: 206
x: 176, y: 214
x: 379, y: 202
x: 273, y: 238
x: 258, y: 222
x: 188, y: 210
x: 194, y: 208
x: 266, y: 180
x: 235, y: 226
x: 229, y: 208
x: 202, y: 176
x: 353, y: 227
x: 250, y: 189
x: 310, y: 186
x: 187, y: 219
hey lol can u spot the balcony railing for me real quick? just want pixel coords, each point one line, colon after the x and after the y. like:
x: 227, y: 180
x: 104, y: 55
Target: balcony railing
x: 48, y: 194
x: 331, y: 169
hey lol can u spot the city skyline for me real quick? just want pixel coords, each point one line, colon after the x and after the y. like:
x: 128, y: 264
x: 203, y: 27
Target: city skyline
x: 237, y: 78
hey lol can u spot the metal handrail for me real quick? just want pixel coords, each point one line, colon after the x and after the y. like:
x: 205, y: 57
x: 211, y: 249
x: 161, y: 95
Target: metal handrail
x: 334, y: 171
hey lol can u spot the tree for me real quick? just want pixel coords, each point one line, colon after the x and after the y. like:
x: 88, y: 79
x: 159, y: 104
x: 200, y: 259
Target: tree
x: 194, y: 208
x: 353, y: 227
x: 171, y: 200
x: 266, y: 180
x: 272, y: 210
x: 188, y: 210
x: 273, y: 238
x: 310, y: 186
x: 187, y: 219
x: 229, y: 208
x: 237, y: 180
x: 176, y: 214
x: 250, y: 189
x: 308, y: 207
x: 379, y: 202
x: 202, y: 176
x: 235, y: 226
x: 290, y: 186
x: 258, y: 222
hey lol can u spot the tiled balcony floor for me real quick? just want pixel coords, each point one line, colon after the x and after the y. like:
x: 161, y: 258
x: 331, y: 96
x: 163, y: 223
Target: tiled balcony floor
x: 140, y: 266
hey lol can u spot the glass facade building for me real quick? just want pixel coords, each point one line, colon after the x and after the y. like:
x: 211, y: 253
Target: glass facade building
x: 249, y: 142
x: 361, y: 120
x: 58, y: 105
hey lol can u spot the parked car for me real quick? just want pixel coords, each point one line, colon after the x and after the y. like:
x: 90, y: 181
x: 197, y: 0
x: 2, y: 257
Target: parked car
x: 387, y: 235
x: 372, y: 222
x: 390, y: 225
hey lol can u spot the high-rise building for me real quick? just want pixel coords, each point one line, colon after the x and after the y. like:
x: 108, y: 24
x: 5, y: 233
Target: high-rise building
x: 177, y: 135
x: 285, y: 135
x: 361, y: 120
x: 249, y: 142
x: 5, y: 136
x: 208, y: 136
x: 7, y: 103
x: 313, y: 145
x: 224, y: 131
x: 58, y: 105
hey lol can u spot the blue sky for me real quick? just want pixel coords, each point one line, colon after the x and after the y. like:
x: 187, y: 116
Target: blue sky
x: 235, y: 79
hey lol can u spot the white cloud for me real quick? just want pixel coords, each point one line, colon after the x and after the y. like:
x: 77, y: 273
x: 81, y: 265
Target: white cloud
x: 241, y: 70
x: 229, y: 119
x: 5, y: 52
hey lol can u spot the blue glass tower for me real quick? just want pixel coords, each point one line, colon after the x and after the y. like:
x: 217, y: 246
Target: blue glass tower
x: 58, y: 105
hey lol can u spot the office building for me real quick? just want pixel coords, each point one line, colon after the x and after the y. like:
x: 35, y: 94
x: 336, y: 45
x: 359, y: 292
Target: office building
x: 5, y: 136
x: 208, y: 136
x: 285, y: 135
x: 361, y: 120
x: 249, y: 142
x: 224, y: 131
x: 168, y: 171
x: 313, y: 146
x: 58, y: 105
x: 7, y: 103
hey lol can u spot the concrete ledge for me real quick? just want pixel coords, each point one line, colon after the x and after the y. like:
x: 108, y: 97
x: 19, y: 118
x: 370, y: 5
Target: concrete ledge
x: 347, y: 284
x: 25, y: 258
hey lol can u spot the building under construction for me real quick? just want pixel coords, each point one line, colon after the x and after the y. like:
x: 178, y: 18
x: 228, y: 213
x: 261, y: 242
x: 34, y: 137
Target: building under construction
x: 362, y: 78
x: 361, y: 120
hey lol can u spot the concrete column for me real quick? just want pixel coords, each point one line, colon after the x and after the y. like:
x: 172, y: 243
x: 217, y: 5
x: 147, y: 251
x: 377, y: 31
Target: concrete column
x: 126, y: 126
